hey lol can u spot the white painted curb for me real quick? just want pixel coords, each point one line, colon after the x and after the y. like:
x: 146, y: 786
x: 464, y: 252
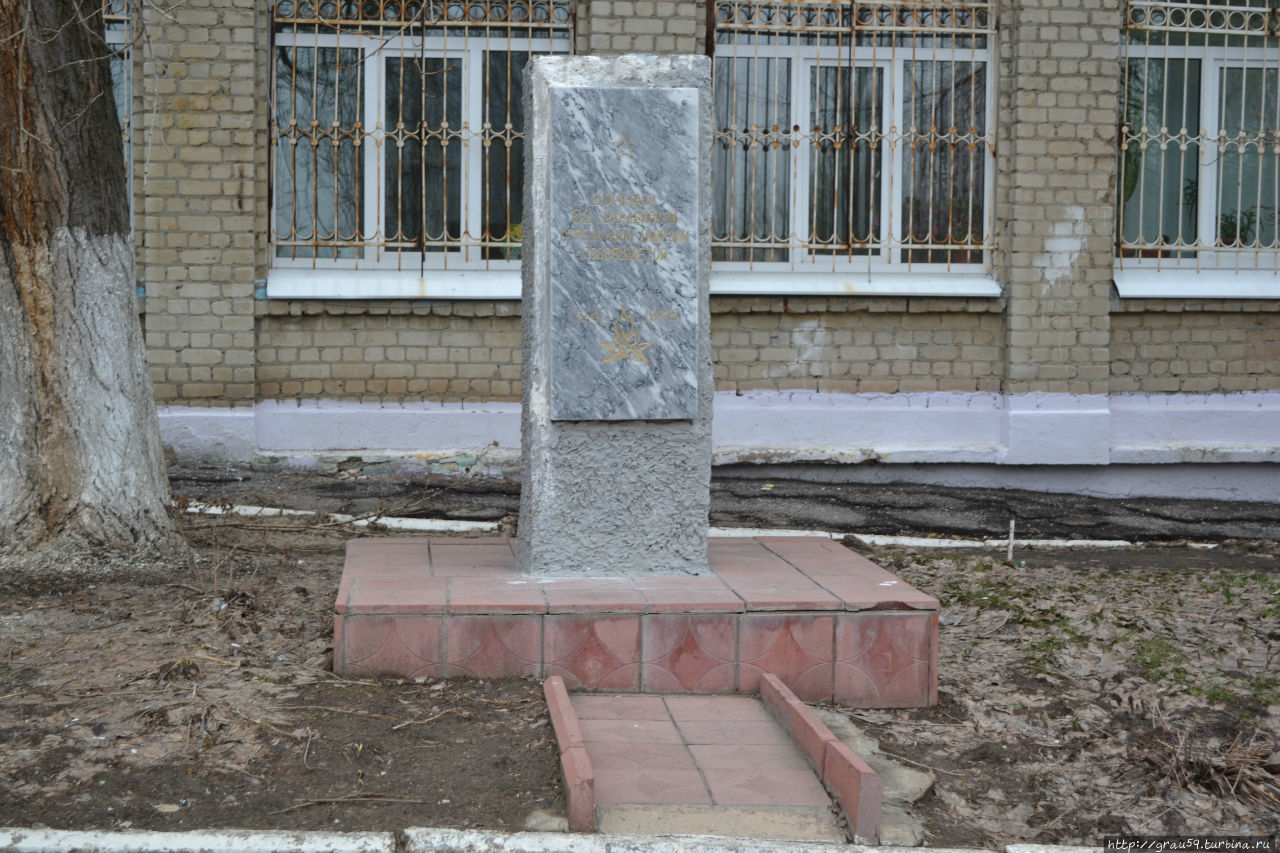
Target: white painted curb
x: 473, y: 841
x: 426, y: 525
x: 433, y: 841
x: 445, y: 525
x: 210, y: 841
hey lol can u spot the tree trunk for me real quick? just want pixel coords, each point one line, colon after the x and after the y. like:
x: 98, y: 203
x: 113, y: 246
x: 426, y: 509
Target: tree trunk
x: 83, y: 489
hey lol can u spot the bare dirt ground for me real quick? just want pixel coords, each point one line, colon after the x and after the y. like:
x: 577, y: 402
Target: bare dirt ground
x: 1092, y: 693
x: 1083, y: 693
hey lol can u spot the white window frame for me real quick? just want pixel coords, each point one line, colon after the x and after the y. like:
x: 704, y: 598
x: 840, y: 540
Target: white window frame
x: 1213, y: 272
x: 882, y: 272
x: 458, y: 272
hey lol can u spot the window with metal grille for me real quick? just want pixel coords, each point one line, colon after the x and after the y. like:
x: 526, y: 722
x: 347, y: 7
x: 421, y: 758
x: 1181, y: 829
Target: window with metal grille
x: 853, y: 137
x: 1199, y: 165
x: 397, y: 131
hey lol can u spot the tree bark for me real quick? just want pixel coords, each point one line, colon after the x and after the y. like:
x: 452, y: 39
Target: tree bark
x: 82, y: 474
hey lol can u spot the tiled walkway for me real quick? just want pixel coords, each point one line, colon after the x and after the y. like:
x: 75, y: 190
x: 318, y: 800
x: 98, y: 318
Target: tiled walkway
x: 724, y: 760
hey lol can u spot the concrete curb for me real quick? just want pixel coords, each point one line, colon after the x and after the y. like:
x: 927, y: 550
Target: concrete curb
x: 419, y: 840
x: 205, y: 841
x: 470, y: 841
x: 444, y: 525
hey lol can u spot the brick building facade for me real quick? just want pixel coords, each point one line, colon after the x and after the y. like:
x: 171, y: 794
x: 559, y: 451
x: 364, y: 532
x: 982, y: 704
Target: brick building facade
x: 1038, y: 347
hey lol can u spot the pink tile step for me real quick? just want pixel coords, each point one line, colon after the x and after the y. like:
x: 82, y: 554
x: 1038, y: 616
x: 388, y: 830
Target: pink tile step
x: 828, y: 622
x: 695, y: 764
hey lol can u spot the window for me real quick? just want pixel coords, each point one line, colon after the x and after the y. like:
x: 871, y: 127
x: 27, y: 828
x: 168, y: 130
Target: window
x: 397, y: 143
x: 1199, y: 184
x: 853, y: 140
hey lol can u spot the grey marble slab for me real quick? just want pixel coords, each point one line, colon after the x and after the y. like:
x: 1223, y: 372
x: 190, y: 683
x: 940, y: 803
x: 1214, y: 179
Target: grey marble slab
x: 616, y: 380
x: 624, y: 253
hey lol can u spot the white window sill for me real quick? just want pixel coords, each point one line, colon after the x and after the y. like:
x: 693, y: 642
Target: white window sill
x: 860, y: 283
x: 1174, y: 283
x: 285, y: 283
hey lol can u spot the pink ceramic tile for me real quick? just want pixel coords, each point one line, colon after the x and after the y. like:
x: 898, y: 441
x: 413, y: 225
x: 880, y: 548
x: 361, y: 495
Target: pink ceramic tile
x: 651, y: 786
x: 747, y: 757
x: 742, y: 557
x: 808, y: 732
x: 405, y: 646
x: 595, y: 652
x: 385, y: 571
x: 652, y: 756
x: 704, y: 582
x: 564, y: 719
x: 466, y: 570
x: 629, y: 731
x: 722, y: 549
x: 495, y: 595
x: 884, y: 659
x: 761, y: 565
x: 766, y: 788
x: 796, y: 648
x: 685, y: 600
x: 812, y: 555
x: 689, y: 653
x: 420, y: 594
x: 492, y: 646
x: 735, y: 732
x: 815, y: 685
x: 849, y: 576
x: 619, y: 707
x: 474, y: 541
x: 379, y: 552
x: 580, y: 788
x: 694, y: 708
x: 460, y: 556
x: 857, y: 788
x: 597, y: 595
x: 856, y: 593
x: 797, y: 594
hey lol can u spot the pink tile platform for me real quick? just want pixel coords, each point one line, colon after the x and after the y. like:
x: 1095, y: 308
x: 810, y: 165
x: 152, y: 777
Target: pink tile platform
x: 829, y: 623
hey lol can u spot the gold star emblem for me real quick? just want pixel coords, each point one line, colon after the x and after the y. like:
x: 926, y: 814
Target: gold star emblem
x: 626, y: 343
x: 624, y: 148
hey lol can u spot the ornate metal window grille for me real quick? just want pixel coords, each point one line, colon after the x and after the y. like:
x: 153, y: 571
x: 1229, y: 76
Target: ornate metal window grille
x: 397, y: 130
x: 1199, y: 165
x: 853, y: 133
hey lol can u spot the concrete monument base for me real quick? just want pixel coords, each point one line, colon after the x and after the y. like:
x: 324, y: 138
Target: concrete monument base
x: 830, y: 624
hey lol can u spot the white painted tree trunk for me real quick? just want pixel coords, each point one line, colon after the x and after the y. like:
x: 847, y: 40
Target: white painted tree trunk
x: 83, y: 489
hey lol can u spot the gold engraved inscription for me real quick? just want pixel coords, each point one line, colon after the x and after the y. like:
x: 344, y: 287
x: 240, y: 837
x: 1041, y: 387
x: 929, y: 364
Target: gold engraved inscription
x: 633, y: 227
x: 624, y: 253
x: 626, y: 343
x: 653, y: 315
x: 624, y: 149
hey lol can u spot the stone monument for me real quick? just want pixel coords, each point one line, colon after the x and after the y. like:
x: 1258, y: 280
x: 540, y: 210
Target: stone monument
x: 617, y: 382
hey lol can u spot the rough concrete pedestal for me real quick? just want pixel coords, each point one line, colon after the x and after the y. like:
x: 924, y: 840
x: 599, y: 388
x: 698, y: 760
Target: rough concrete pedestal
x: 617, y: 384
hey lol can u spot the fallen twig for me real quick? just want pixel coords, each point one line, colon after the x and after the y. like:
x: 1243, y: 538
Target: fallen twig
x: 920, y: 764
x: 336, y: 711
x: 217, y: 660
x: 399, y: 726
x: 354, y: 798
